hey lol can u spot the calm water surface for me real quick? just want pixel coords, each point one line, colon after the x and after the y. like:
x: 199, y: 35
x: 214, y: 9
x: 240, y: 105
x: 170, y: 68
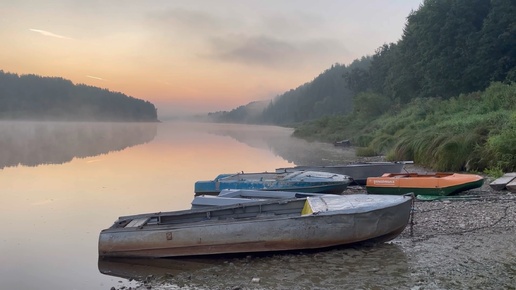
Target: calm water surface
x: 62, y: 183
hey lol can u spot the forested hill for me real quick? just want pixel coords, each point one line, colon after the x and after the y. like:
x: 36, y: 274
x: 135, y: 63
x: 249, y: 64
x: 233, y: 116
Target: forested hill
x: 326, y: 94
x: 32, y: 97
x: 447, y: 48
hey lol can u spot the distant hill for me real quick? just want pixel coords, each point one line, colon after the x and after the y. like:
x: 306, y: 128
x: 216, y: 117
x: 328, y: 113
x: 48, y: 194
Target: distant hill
x: 327, y: 94
x: 32, y: 97
x: 249, y: 114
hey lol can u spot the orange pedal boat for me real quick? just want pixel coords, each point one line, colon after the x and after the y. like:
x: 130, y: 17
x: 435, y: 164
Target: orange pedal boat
x: 435, y: 184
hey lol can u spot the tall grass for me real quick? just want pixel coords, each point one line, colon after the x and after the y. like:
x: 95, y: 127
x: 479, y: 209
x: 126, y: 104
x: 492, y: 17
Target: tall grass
x: 476, y: 131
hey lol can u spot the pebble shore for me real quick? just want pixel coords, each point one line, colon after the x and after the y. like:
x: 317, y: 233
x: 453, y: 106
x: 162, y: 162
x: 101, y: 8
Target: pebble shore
x: 461, y: 243
x: 480, y: 210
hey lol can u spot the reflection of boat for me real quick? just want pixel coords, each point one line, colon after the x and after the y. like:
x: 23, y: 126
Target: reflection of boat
x: 358, y: 171
x: 140, y: 269
x: 235, y: 196
x: 435, y: 184
x: 300, y: 181
x: 502, y: 182
x: 262, y: 226
x: 344, y: 268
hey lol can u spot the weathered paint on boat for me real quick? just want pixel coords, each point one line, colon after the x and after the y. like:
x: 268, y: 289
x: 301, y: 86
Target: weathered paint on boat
x: 359, y: 172
x: 299, y: 181
x: 501, y: 183
x: 436, y: 184
x: 264, y: 226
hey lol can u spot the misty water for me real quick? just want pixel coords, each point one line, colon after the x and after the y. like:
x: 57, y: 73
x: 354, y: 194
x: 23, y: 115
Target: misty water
x: 62, y: 183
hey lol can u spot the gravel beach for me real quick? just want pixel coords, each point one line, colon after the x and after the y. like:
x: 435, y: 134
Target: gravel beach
x: 466, y: 243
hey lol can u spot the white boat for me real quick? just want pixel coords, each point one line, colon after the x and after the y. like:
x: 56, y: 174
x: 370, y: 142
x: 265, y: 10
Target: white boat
x: 502, y: 182
x: 261, y: 226
x: 359, y: 172
x: 236, y: 196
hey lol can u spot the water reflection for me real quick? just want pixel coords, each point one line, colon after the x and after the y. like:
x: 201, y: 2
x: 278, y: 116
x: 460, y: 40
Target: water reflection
x: 281, y: 142
x: 361, y: 267
x: 35, y: 143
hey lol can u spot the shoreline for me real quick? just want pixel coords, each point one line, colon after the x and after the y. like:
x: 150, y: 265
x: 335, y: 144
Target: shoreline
x: 462, y: 243
x: 481, y: 210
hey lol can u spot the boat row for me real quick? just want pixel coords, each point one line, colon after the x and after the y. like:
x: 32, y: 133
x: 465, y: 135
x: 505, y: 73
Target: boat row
x: 297, y: 208
x: 319, y: 179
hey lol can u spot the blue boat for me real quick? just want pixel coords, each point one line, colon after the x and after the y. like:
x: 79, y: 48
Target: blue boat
x: 299, y: 181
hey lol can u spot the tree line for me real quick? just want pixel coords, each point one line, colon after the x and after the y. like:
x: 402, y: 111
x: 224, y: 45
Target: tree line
x: 32, y: 97
x: 448, y: 48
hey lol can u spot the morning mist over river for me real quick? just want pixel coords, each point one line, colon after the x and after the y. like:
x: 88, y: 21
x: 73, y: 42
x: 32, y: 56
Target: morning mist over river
x: 62, y: 183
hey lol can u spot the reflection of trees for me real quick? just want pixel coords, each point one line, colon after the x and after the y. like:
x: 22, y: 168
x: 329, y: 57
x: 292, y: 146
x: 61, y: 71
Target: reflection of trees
x: 280, y: 141
x: 34, y: 143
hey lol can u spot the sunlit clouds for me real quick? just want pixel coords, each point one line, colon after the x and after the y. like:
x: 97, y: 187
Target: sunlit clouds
x: 47, y: 33
x: 274, y: 52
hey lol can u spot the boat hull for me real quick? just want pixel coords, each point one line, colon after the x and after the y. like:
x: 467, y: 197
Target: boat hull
x: 439, y: 184
x: 265, y: 234
x: 502, y: 182
x: 511, y: 186
x: 359, y: 172
x: 299, y: 181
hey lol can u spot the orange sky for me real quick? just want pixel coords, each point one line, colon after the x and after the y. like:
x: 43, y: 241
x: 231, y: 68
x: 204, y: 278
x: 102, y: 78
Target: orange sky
x: 193, y: 56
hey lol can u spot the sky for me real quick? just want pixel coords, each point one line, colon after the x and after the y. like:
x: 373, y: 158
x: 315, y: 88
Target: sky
x: 194, y: 56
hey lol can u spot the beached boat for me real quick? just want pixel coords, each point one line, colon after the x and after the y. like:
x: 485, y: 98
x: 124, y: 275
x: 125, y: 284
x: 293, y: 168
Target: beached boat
x: 434, y: 184
x: 300, y: 181
x: 359, y: 172
x: 502, y: 182
x: 261, y: 226
x: 236, y: 196
x: 511, y: 186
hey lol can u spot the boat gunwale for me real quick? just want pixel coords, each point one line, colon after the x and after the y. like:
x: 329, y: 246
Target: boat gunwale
x: 404, y: 198
x: 339, y: 238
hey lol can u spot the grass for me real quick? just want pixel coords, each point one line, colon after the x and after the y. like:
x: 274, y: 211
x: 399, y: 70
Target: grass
x: 470, y: 132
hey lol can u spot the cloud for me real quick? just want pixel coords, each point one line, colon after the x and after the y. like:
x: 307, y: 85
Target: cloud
x: 189, y: 21
x: 93, y: 77
x: 270, y: 51
x: 46, y: 33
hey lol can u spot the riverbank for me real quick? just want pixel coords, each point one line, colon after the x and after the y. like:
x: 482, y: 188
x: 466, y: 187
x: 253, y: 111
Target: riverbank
x: 466, y: 243
x: 477, y: 210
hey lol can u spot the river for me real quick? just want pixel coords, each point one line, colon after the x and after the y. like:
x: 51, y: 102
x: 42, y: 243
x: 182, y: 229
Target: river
x: 62, y: 183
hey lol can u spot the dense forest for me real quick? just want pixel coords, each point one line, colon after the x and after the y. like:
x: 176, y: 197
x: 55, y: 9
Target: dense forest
x: 32, y: 97
x: 443, y: 95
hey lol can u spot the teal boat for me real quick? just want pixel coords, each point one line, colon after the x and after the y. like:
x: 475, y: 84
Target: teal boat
x: 299, y: 181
